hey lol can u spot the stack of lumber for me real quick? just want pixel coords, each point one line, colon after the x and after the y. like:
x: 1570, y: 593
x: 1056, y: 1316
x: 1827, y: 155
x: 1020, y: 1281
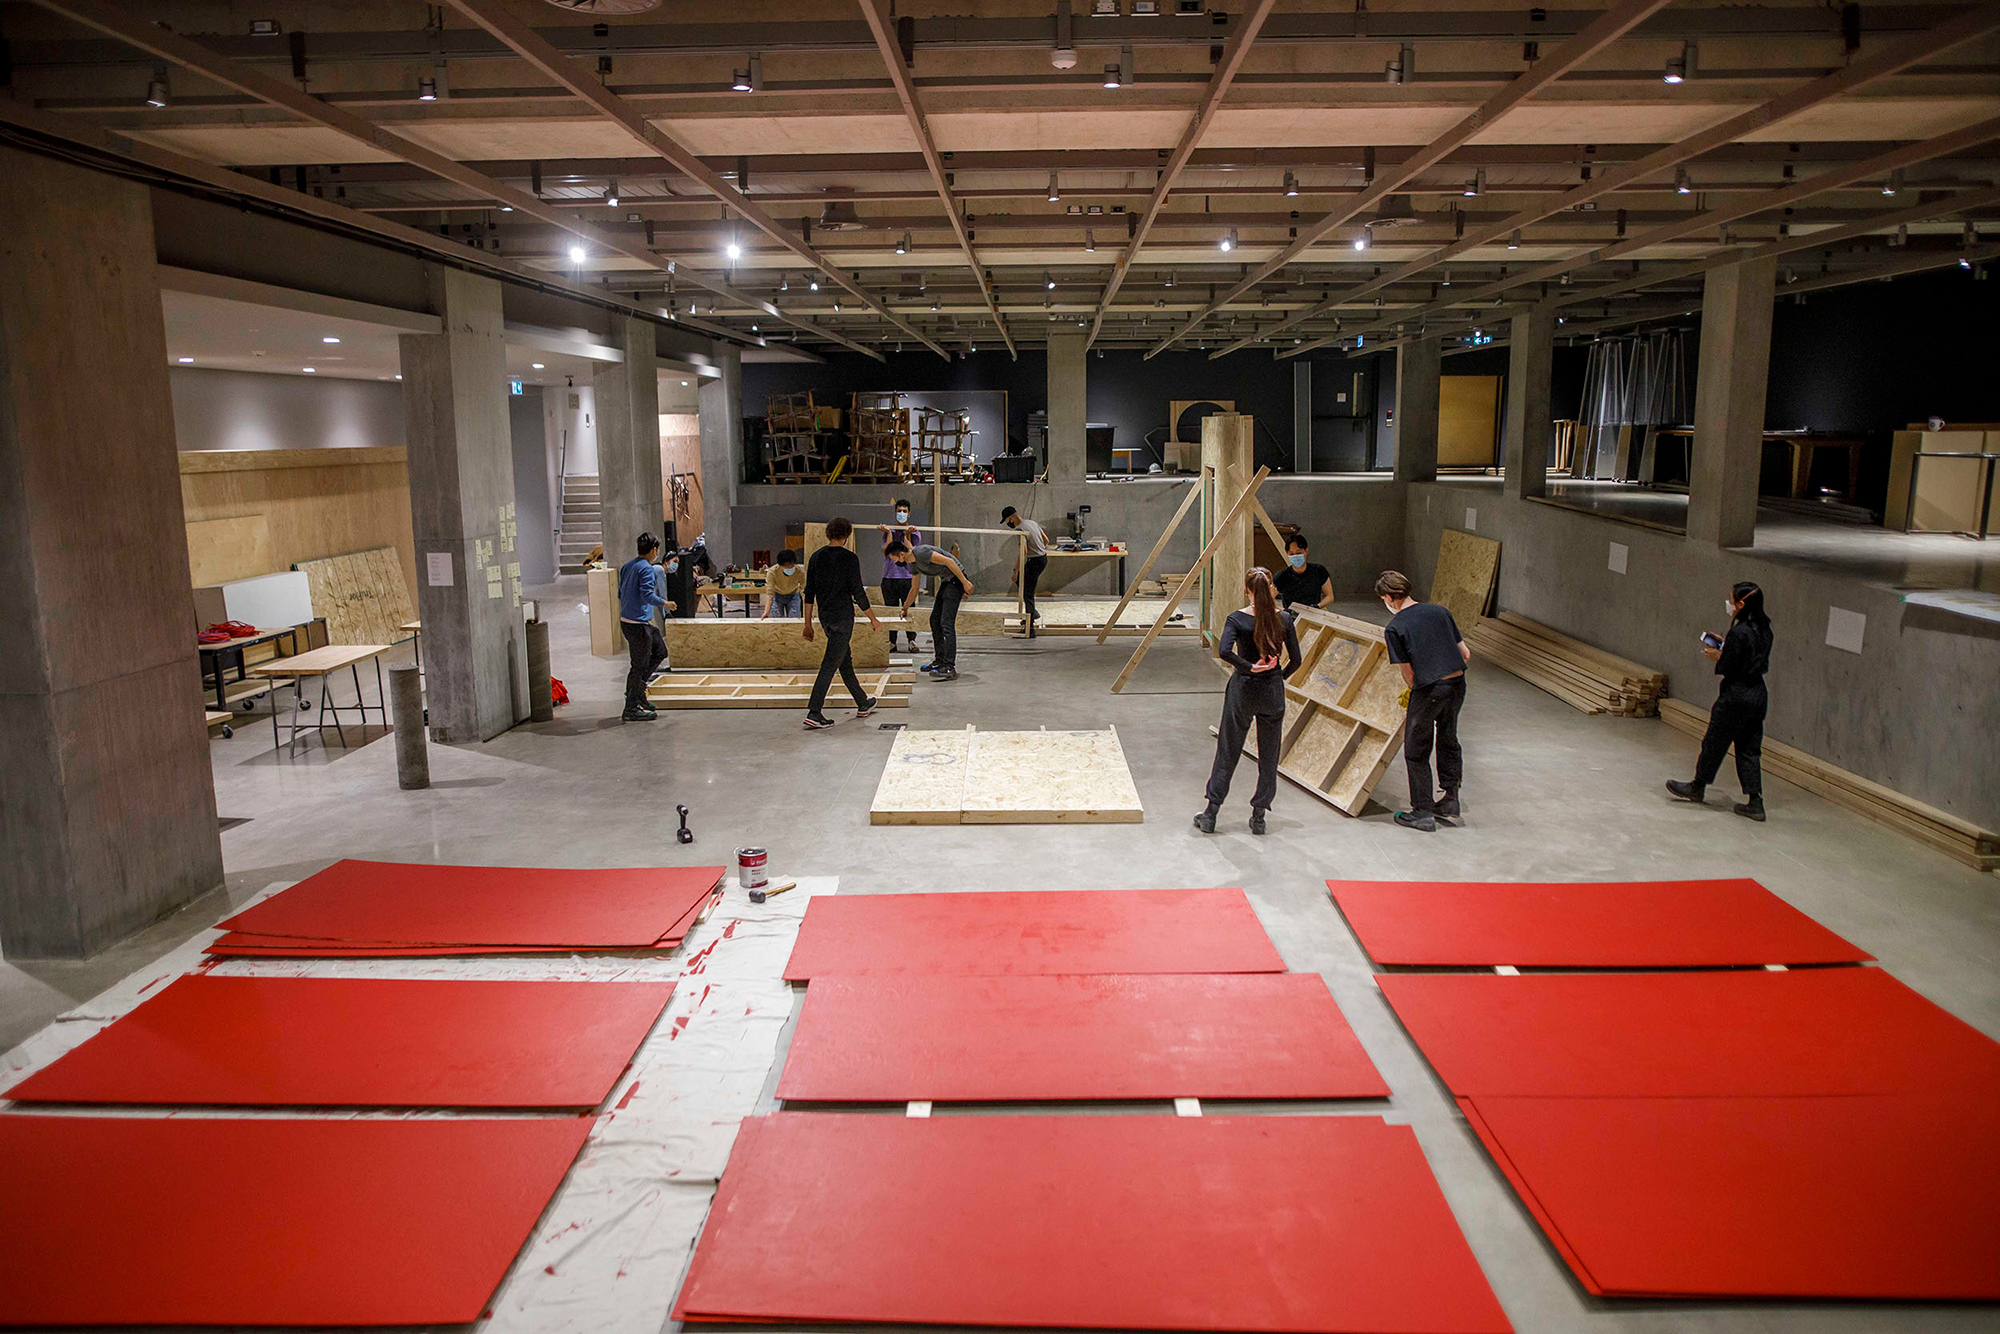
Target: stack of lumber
x: 1571, y: 670
x: 1956, y: 838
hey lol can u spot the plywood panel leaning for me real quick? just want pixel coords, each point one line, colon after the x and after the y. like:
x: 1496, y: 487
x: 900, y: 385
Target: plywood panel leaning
x: 775, y: 644
x: 1466, y: 568
x: 1343, y: 715
x: 362, y: 596
x: 222, y: 550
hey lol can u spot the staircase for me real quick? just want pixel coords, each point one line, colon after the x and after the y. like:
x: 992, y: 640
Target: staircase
x: 582, y: 522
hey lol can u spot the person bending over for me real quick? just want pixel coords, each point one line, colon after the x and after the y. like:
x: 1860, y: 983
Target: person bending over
x: 1036, y: 553
x: 1302, y: 583
x: 784, y: 586
x: 834, y: 587
x: 1741, y: 658
x: 952, y: 588
x: 641, y: 591
x: 1252, y: 639
x: 898, y: 588
x: 1424, y: 641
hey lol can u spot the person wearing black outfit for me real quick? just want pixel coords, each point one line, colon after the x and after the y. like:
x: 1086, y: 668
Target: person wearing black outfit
x: 834, y: 587
x: 1302, y: 583
x: 1741, y: 659
x: 1423, y: 639
x: 1252, y: 638
x: 952, y: 588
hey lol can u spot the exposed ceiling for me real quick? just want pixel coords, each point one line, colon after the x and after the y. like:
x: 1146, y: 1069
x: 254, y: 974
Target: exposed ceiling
x: 1584, y: 175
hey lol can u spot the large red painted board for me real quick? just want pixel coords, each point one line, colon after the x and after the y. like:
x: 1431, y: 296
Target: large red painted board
x: 1876, y: 1196
x: 1820, y: 1031
x: 119, y: 1220
x: 1278, y: 1223
x: 1033, y: 932
x: 1636, y: 924
x: 302, y: 1042
x: 974, y: 1039
x: 420, y: 904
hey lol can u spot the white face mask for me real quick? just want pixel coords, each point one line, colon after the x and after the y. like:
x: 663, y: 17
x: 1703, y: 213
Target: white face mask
x: 902, y: 516
x: 1728, y: 607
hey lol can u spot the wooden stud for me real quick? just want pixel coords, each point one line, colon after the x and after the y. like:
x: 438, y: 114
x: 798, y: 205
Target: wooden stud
x: 1201, y: 563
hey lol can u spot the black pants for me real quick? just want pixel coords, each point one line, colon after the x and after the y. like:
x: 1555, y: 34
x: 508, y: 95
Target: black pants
x: 1736, y: 720
x: 1243, y: 703
x: 838, y: 658
x: 894, y: 591
x: 1433, y: 718
x: 944, y: 622
x: 1031, y: 574
x: 649, y: 650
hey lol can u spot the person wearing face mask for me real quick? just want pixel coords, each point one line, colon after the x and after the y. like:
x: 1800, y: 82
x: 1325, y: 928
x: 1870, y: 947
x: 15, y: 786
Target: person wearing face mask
x: 784, y: 586
x: 1423, y: 639
x: 1741, y: 658
x: 898, y: 587
x: 1253, y: 642
x: 641, y: 590
x: 1301, y: 582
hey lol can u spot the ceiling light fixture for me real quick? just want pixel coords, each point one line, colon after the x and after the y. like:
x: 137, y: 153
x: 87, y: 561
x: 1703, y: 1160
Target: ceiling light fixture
x: 1403, y: 68
x: 158, y: 94
x: 576, y: 254
x: 308, y: 370
x: 536, y: 366
x: 1681, y: 67
x: 1089, y: 242
x: 329, y: 339
x: 1477, y: 186
x: 1170, y: 277
x: 185, y: 361
x: 814, y: 283
x: 1365, y: 239
x: 1228, y: 241
x: 1113, y: 77
x: 1514, y: 241
x: 734, y: 249
x: 611, y: 194
x: 740, y: 81
x: 903, y: 246
x: 1681, y: 183
x: 427, y: 89
x: 1291, y: 185
x: 1055, y: 194
x: 1894, y: 183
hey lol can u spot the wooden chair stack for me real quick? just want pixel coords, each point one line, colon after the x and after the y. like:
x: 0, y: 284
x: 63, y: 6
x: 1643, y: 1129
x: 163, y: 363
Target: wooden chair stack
x: 1576, y: 673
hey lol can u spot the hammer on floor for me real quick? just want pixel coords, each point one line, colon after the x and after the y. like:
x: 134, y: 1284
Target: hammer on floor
x: 771, y: 891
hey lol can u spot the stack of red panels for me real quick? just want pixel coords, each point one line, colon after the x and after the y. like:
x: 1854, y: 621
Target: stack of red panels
x: 358, y: 909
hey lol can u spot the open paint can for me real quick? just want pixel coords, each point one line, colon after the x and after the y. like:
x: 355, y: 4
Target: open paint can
x: 750, y: 868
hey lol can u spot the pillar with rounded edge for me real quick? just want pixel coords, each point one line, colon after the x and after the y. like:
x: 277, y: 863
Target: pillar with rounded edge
x: 461, y: 460
x: 628, y: 439
x: 1419, y: 364
x: 1068, y: 393
x: 1531, y: 357
x: 107, y: 799
x: 721, y: 452
x: 1729, y: 402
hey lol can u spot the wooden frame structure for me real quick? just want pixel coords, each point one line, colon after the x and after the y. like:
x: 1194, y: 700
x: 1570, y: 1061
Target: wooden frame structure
x: 889, y: 685
x: 1343, y: 716
x: 878, y: 440
x: 792, y: 425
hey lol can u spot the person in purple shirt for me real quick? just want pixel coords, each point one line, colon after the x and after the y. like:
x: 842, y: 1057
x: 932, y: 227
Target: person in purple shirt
x: 898, y: 587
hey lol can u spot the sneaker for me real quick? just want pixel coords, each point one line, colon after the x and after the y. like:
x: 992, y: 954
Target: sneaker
x: 928, y: 667
x: 1686, y: 791
x: 1421, y: 821
x: 1753, y: 809
x: 1256, y: 821
x: 1205, y: 821
x: 814, y: 724
x: 866, y: 709
x: 640, y: 715
x: 945, y: 674
x: 1449, y: 806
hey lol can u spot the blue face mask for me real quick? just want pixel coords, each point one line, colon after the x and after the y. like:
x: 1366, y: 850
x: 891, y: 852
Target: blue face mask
x: 673, y: 565
x: 1296, y: 560
x: 902, y: 516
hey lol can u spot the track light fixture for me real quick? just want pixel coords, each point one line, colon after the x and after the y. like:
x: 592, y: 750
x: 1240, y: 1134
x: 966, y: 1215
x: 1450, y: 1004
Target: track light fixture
x: 813, y: 283
x: 1365, y: 239
x: 1170, y: 277
x: 1089, y: 242
x: 576, y: 254
x: 1291, y: 185
x: 1894, y: 183
x: 1403, y: 68
x: 611, y: 194
x: 427, y: 89
x: 734, y: 249
x: 903, y: 246
x: 1681, y: 68
x: 1477, y: 186
x: 158, y: 94
x: 1228, y: 241
x: 740, y: 81
x: 1681, y: 184
x: 1514, y: 241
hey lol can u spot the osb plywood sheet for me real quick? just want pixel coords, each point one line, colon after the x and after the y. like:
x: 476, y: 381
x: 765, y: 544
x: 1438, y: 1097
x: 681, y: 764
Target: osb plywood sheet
x: 314, y: 502
x: 1049, y: 778
x: 1074, y: 616
x: 221, y: 551
x: 775, y: 644
x: 1343, y: 720
x: 1468, y: 420
x: 362, y: 596
x: 923, y: 781
x: 1321, y: 744
x: 1376, y: 700
x: 1466, y: 567
x: 1326, y: 676
x: 889, y: 687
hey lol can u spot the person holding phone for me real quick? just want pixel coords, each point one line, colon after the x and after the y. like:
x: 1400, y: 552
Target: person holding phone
x: 1741, y: 658
x: 1252, y: 639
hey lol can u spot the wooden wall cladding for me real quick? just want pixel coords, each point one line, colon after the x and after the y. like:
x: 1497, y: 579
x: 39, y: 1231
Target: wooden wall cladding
x: 221, y: 551
x: 680, y: 456
x: 1468, y: 421
x: 314, y: 503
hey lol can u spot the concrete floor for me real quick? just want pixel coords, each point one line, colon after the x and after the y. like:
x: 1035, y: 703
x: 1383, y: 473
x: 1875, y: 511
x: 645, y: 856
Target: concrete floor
x: 1550, y: 794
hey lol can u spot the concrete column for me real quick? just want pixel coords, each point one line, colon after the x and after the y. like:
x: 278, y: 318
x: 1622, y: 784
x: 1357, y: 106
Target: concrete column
x: 462, y: 509
x: 107, y: 801
x: 1531, y: 358
x: 1419, y: 364
x: 1302, y: 416
x: 721, y: 451
x: 628, y: 440
x: 1729, y: 402
x: 1067, y: 411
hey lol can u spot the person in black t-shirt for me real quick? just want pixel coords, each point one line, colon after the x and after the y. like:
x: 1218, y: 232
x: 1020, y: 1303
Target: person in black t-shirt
x: 1424, y: 641
x: 1252, y: 640
x: 1737, y: 719
x: 1302, y: 583
x: 834, y: 589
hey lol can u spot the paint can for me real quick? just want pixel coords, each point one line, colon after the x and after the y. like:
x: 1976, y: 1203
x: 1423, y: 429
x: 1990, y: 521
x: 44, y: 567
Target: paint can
x: 750, y: 868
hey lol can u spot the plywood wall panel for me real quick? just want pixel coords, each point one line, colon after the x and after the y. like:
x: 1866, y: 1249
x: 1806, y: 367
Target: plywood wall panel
x: 680, y: 454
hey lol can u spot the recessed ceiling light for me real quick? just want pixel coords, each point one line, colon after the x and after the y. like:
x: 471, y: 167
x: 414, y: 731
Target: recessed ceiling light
x: 576, y: 254
x: 684, y: 384
x: 536, y: 366
x: 185, y: 361
x: 399, y: 377
x: 329, y: 339
x: 308, y: 370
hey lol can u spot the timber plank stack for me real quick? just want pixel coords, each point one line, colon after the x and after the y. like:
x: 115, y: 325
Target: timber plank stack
x: 1580, y: 675
x: 1956, y: 838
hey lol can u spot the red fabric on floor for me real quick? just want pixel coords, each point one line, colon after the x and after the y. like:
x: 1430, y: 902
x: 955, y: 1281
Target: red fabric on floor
x: 1279, y: 1223
x: 1021, y: 933
x: 971, y: 1039
x: 1812, y: 1031
x: 422, y: 904
x: 189, y: 1220
x: 1876, y: 1196
x: 1638, y: 924
x: 300, y: 1042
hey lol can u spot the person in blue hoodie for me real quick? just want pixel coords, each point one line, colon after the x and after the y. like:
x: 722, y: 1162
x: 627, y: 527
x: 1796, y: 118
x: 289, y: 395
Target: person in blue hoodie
x: 641, y: 592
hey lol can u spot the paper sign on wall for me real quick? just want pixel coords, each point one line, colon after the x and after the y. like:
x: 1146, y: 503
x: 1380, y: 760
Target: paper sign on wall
x: 1620, y: 553
x: 1471, y: 519
x: 1844, y: 628
x: 437, y: 568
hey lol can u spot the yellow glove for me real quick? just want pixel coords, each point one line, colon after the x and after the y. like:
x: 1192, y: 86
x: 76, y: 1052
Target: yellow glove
x: 1403, y: 699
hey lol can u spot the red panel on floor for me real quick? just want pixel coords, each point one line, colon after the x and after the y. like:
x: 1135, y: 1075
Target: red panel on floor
x: 1268, y: 1223
x: 1889, y: 1197
x: 1000, y: 1039
x: 230, y: 946
x: 1816, y: 1031
x: 1638, y: 924
x: 145, y: 1220
x: 302, y: 1042
x: 995, y: 934
x: 421, y: 904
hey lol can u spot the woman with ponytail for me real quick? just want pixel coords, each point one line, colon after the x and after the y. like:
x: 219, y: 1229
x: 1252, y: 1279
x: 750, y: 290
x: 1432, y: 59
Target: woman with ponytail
x: 1741, y: 658
x: 1252, y: 640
